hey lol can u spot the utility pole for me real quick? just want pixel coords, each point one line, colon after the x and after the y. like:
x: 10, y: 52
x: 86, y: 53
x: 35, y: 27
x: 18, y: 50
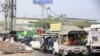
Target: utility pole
x: 9, y: 8
x: 6, y: 11
x: 12, y: 13
x: 42, y: 11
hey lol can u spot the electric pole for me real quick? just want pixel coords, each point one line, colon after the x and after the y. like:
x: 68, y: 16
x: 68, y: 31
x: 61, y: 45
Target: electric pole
x: 12, y: 13
x: 6, y: 10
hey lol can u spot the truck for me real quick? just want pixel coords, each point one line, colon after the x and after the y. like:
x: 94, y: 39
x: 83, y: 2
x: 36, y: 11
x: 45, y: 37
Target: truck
x: 93, y: 40
x: 72, y: 42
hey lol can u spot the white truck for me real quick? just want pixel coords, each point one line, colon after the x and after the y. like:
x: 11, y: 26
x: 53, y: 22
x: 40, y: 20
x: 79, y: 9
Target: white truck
x: 93, y: 40
x: 70, y: 43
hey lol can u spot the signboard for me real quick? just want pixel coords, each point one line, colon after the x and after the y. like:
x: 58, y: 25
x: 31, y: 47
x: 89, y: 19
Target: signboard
x: 42, y: 1
x: 55, y: 27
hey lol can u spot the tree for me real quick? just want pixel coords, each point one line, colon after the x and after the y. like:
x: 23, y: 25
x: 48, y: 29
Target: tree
x: 45, y: 23
x: 42, y: 23
x: 82, y: 23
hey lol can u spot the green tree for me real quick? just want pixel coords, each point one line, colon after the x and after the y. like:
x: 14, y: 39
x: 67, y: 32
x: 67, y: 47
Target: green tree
x: 82, y: 23
x: 45, y: 23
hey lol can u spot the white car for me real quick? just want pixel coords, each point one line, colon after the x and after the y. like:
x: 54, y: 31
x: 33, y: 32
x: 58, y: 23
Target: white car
x: 36, y: 43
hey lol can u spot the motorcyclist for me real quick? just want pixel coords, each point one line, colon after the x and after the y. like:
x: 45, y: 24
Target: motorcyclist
x: 50, y: 41
x: 47, y: 42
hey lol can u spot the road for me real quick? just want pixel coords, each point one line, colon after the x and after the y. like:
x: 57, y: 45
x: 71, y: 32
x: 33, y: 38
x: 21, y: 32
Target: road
x: 35, y: 53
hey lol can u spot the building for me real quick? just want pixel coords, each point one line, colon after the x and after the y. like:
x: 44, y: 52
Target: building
x: 24, y: 23
x: 69, y: 21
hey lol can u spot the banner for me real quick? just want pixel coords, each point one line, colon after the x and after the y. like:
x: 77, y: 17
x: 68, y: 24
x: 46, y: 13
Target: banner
x: 42, y: 1
x: 55, y: 27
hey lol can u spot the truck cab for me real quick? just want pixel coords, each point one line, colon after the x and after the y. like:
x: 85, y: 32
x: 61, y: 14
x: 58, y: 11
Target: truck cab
x: 93, y: 40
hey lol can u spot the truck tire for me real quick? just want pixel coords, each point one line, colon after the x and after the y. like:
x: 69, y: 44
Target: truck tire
x: 58, y: 54
x: 92, y: 54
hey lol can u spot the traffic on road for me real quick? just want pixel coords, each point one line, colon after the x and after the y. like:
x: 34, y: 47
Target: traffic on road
x: 77, y: 42
x: 53, y: 28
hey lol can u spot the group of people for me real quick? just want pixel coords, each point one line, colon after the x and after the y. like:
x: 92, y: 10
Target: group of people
x: 8, y: 38
x: 26, y: 39
x: 72, y: 40
x: 76, y: 39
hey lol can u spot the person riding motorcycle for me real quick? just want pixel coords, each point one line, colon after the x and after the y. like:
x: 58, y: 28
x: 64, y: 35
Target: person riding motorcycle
x: 48, y: 42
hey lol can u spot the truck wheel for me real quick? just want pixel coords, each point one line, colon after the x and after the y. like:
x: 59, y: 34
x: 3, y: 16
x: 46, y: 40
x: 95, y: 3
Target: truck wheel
x: 92, y: 54
x: 59, y: 54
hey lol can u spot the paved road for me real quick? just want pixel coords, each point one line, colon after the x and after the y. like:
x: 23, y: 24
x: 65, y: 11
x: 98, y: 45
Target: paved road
x: 35, y: 53
x: 38, y: 53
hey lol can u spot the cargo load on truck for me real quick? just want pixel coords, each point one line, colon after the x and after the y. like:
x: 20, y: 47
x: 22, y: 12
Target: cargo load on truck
x: 73, y: 38
x: 77, y: 37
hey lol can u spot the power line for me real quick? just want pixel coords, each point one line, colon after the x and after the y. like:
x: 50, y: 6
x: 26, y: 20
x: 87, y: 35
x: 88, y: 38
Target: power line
x: 54, y: 13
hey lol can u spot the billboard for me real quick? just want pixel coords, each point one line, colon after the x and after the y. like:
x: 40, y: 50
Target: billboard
x: 42, y: 1
x: 55, y: 27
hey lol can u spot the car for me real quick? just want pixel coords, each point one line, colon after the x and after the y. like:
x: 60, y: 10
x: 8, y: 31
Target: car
x: 36, y: 43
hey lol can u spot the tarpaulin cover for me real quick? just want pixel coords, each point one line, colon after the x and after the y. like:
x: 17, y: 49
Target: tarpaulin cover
x: 77, y: 32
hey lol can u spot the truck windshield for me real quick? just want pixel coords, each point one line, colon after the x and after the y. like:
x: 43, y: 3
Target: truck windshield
x: 95, y: 33
x: 94, y: 38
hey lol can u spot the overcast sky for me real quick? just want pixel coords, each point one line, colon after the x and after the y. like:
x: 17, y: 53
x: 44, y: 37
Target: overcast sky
x: 87, y: 9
